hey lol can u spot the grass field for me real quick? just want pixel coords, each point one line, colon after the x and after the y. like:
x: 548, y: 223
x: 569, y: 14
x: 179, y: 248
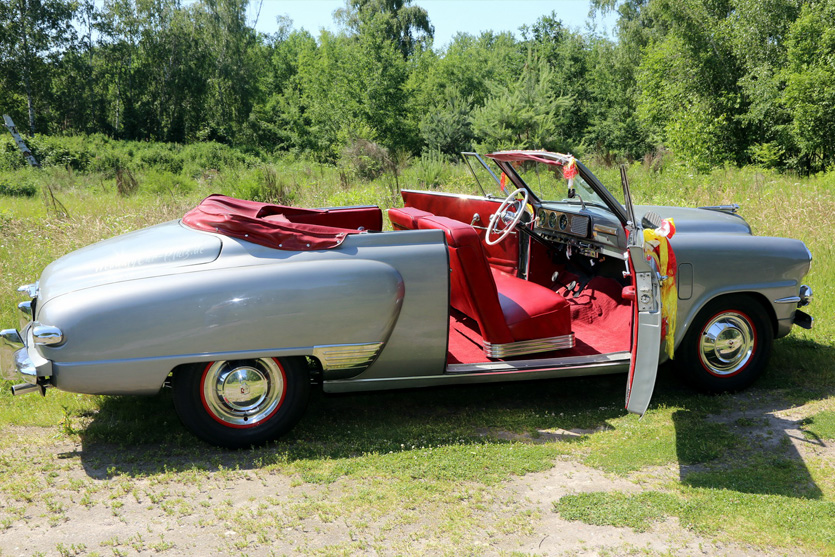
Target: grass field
x: 426, y: 467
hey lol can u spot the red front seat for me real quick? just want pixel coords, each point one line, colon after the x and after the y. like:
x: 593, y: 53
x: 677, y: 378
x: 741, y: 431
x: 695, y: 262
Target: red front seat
x: 515, y: 316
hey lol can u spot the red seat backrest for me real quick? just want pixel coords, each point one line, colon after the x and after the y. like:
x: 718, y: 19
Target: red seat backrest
x: 502, y: 256
x: 406, y: 218
x: 472, y: 288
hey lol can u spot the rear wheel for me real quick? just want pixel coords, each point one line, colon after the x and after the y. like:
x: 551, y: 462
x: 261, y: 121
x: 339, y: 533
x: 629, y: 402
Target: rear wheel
x: 727, y: 346
x: 239, y: 403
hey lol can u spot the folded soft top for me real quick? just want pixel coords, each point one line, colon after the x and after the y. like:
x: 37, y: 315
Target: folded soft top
x: 280, y: 226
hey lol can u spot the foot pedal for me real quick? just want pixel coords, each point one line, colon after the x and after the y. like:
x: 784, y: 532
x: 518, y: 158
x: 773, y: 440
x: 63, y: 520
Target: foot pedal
x: 570, y: 288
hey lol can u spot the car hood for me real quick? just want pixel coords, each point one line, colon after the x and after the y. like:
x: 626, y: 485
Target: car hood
x: 152, y: 251
x: 698, y: 220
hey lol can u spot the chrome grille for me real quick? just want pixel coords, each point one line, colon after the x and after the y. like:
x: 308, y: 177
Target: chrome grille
x: 580, y: 225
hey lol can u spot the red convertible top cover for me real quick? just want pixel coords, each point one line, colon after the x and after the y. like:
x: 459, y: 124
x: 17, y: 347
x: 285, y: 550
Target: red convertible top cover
x: 273, y: 226
x: 546, y: 157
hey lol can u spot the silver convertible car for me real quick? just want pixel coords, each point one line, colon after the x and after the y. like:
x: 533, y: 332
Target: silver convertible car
x: 241, y: 306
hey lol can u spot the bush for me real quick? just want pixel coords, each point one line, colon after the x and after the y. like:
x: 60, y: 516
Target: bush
x: 10, y: 156
x: 17, y: 188
x: 364, y: 158
x: 165, y: 182
x: 69, y: 152
x: 161, y: 156
x: 261, y: 184
x: 199, y: 157
x: 430, y: 171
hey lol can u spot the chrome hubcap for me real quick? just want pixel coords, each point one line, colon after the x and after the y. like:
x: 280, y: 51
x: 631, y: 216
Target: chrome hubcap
x: 727, y: 344
x: 243, y: 393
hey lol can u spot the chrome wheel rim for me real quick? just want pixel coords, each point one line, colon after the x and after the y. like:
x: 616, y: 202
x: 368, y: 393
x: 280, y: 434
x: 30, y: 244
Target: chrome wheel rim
x: 243, y: 393
x: 727, y: 344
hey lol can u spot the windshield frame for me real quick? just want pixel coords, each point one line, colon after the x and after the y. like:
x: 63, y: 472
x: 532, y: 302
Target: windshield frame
x: 505, y: 159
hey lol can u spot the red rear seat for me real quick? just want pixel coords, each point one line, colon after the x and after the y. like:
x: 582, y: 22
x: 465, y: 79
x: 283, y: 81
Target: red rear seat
x: 515, y: 316
x: 406, y: 218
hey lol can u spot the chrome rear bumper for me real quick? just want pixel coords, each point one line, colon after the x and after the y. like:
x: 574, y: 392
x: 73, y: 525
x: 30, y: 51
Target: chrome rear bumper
x: 16, y: 362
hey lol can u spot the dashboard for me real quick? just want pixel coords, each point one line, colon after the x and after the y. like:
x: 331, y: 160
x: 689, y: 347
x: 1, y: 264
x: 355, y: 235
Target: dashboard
x: 584, y: 231
x: 567, y: 223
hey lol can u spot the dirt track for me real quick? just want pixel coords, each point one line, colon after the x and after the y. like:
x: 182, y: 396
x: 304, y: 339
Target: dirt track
x: 257, y: 512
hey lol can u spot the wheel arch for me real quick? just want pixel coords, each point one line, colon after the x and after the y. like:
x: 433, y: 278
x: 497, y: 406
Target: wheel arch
x: 313, y: 369
x: 695, y: 309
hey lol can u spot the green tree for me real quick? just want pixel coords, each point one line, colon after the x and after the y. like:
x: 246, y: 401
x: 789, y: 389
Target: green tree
x: 279, y: 120
x: 232, y: 70
x: 448, y: 128
x: 407, y: 26
x: 352, y: 89
x: 526, y: 114
x: 810, y: 83
x: 34, y: 32
x: 444, y: 87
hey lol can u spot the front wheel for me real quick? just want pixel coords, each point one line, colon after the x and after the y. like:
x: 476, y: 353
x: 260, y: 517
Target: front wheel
x: 727, y: 346
x: 240, y: 403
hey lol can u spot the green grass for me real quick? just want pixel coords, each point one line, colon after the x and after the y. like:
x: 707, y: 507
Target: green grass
x: 820, y: 426
x: 638, y: 512
x: 757, y: 519
x: 430, y: 461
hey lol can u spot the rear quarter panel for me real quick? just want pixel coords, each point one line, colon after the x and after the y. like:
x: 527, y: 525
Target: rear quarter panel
x: 125, y: 337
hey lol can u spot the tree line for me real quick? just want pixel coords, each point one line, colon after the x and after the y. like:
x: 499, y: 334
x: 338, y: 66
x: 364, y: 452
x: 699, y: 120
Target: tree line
x: 715, y: 81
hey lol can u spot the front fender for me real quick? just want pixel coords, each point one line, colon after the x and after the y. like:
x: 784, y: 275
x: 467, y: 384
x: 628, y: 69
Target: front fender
x: 281, y: 308
x: 712, y: 265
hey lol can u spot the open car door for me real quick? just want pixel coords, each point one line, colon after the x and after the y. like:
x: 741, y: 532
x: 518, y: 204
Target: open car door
x: 646, y: 314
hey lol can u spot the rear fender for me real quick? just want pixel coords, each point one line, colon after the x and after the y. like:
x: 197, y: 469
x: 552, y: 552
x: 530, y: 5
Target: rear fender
x: 285, y: 308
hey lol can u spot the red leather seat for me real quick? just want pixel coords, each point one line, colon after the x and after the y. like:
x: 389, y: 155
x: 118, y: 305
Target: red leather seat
x: 406, y: 218
x: 511, y: 313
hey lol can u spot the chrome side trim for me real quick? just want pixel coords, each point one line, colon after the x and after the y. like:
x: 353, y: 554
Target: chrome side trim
x: 518, y: 366
x: 455, y: 195
x: 340, y: 361
x: 488, y: 372
x: 788, y: 300
x: 732, y: 208
x: 509, y: 349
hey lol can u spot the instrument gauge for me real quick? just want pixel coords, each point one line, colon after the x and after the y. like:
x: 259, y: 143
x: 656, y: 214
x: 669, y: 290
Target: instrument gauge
x: 563, y: 222
x: 552, y: 220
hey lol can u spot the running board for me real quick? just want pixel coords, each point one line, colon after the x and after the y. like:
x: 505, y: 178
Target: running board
x: 538, y: 365
x: 489, y: 372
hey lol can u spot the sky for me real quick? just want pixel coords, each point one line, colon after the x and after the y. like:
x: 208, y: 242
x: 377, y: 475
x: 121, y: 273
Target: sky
x: 448, y: 16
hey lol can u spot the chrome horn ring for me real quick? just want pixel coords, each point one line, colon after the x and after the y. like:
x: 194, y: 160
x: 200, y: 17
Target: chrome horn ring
x: 727, y: 344
x: 243, y: 393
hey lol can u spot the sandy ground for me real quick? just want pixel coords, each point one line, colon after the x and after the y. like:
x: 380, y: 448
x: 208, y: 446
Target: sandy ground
x: 257, y: 512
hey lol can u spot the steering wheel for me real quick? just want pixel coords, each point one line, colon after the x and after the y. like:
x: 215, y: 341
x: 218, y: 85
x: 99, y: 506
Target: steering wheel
x: 501, y: 213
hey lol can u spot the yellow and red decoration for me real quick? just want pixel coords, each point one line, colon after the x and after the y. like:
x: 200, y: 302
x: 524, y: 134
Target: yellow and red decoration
x: 657, y: 248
